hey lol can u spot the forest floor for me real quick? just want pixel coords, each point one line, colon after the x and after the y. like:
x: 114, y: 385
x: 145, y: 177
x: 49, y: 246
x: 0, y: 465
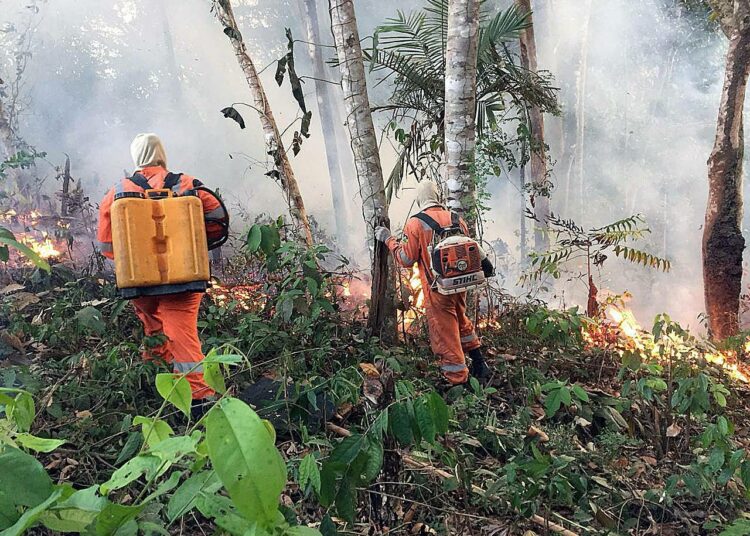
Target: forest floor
x: 583, y: 429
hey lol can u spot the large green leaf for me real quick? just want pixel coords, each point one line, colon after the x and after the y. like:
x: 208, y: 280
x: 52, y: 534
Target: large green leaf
x: 309, y: 473
x: 7, y: 239
x: 176, y: 390
x: 23, y: 474
x: 246, y: 460
x: 75, y: 513
x: 31, y: 515
x: 223, y: 512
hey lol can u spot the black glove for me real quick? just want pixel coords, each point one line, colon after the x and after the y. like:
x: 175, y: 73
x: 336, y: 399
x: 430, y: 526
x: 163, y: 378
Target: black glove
x: 487, y: 268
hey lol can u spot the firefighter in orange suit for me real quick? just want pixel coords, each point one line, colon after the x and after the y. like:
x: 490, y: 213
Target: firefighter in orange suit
x: 173, y: 315
x: 451, y: 331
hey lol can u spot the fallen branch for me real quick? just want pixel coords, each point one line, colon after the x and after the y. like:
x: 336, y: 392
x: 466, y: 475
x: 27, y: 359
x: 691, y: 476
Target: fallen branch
x: 440, y: 473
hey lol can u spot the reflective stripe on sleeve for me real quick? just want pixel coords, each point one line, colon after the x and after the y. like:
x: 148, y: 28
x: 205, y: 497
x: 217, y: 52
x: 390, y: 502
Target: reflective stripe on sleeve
x: 217, y: 213
x: 405, y: 258
x: 186, y: 367
x: 453, y: 368
x: 469, y: 338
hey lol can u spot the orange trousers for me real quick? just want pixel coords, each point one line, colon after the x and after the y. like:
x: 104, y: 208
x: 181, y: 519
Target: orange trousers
x: 176, y: 316
x: 451, y: 333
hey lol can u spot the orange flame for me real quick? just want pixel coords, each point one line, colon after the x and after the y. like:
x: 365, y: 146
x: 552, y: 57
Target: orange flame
x: 622, y: 331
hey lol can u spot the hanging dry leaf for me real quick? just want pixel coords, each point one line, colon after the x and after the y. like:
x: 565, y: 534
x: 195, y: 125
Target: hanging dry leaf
x: 674, y: 430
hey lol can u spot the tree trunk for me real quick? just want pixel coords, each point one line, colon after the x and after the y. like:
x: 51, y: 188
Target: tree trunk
x: 382, y: 314
x: 538, y: 163
x: 6, y: 135
x: 326, y: 112
x: 723, y: 242
x: 581, y: 78
x: 273, y: 138
x: 460, y: 106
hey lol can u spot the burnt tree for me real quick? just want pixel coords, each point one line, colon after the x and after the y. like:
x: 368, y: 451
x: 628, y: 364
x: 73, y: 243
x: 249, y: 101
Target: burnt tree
x: 723, y: 242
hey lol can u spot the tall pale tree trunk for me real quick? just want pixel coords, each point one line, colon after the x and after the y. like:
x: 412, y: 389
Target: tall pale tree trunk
x: 276, y: 148
x: 581, y: 83
x: 538, y: 163
x: 382, y: 314
x: 723, y: 242
x: 460, y: 106
x: 7, y: 143
x: 329, y: 126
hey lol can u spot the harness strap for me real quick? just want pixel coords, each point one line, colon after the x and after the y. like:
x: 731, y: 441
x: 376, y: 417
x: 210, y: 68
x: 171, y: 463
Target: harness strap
x: 429, y: 221
x: 172, y: 182
x: 140, y: 181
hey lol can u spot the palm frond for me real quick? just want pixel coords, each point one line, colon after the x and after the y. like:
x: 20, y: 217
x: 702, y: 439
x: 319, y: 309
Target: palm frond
x: 503, y: 27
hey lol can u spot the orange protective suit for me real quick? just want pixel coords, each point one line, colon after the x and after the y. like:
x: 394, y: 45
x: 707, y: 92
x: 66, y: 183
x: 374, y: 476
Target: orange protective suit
x: 174, y: 315
x: 451, y: 331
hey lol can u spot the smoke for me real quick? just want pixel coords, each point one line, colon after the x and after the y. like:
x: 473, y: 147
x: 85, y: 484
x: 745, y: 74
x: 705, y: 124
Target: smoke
x: 639, y: 81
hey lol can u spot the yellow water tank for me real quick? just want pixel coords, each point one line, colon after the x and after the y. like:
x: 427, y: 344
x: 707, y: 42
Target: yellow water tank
x: 159, y: 244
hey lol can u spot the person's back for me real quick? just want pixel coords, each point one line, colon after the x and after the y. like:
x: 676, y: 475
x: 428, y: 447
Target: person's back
x: 174, y: 315
x: 451, y: 330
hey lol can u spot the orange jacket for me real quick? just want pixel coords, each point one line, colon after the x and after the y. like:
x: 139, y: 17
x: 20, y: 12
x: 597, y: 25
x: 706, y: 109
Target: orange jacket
x: 417, y: 238
x: 155, y: 176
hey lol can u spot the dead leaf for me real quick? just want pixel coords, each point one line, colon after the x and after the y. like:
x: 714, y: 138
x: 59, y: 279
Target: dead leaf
x: 674, y: 430
x: 22, y: 300
x: 84, y: 414
x: 583, y: 423
x: 13, y: 341
x: 649, y: 460
x: 13, y: 287
x: 370, y: 370
x: 536, y: 432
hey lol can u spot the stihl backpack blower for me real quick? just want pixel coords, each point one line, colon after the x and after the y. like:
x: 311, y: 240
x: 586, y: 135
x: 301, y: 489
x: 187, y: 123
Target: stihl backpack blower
x: 455, y: 259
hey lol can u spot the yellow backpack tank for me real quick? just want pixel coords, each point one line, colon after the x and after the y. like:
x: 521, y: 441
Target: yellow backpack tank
x: 159, y: 244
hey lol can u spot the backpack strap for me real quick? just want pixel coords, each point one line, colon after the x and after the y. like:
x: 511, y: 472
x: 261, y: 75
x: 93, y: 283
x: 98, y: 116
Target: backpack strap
x: 429, y: 221
x: 172, y: 182
x: 455, y: 220
x: 140, y: 181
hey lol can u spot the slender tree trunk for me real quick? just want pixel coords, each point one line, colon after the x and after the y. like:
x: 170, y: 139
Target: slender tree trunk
x: 538, y: 163
x: 460, y: 106
x: 326, y: 107
x: 522, y: 230
x: 382, y: 314
x: 7, y: 142
x: 581, y: 77
x: 723, y: 242
x: 273, y: 138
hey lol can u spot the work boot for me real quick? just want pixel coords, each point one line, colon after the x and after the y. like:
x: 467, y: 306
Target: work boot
x: 479, y: 368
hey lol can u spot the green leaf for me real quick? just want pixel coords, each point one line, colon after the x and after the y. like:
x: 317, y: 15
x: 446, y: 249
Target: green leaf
x: 31, y: 515
x: 175, y: 389
x: 23, y: 474
x: 132, y: 444
x: 114, y: 517
x: 328, y: 527
x: 740, y: 527
x: 186, y: 496
x: 254, y: 236
x: 23, y: 411
x: 553, y: 401
x: 223, y: 359
x: 309, y: 473
x: 38, y: 444
x: 374, y: 462
x: 214, y: 377
x: 400, y: 424
x: 423, y: 416
x: 246, y: 460
x: 154, y: 430
x: 580, y: 393
x: 223, y: 511
x: 145, y: 464
x: 440, y: 412
x: 301, y: 531
x: 75, y: 513
x: 347, y: 450
x: 90, y: 319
